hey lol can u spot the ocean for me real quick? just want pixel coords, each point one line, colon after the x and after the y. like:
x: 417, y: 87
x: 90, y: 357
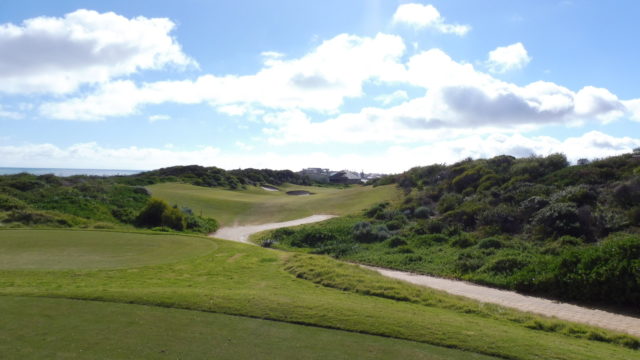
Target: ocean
x: 67, y: 172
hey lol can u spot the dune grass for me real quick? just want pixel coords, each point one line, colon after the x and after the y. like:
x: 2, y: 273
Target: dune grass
x: 255, y: 205
x: 247, y: 280
x: 60, y: 249
x: 62, y: 328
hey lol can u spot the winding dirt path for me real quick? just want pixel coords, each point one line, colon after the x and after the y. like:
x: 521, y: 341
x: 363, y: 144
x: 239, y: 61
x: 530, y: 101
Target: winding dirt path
x: 569, y: 312
x: 242, y: 233
x: 564, y: 311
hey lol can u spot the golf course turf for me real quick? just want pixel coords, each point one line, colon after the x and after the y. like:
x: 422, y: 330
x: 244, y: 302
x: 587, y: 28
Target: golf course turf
x: 246, y: 280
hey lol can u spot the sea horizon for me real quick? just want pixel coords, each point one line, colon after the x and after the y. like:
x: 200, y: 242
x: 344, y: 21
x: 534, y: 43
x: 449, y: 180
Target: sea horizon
x: 63, y: 172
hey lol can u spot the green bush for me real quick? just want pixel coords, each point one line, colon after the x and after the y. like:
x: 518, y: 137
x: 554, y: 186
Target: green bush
x: 8, y: 203
x: 556, y: 220
x: 364, y: 232
x: 429, y: 240
x: 423, y: 212
x: 448, y: 202
x: 462, y: 240
x: 151, y: 215
x: 173, y: 218
x: 506, y: 264
x: 490, y: 243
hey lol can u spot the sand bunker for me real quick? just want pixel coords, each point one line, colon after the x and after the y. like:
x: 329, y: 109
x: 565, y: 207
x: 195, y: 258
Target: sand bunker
x: 269, y: 188
x: 299, y: 193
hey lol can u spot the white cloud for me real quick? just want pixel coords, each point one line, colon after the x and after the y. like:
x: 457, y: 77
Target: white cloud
x: 421, y: 16
x: 9, y: 114
x: 634, y: 108
x: 243, y: 146
x: 320, y: 80
x: 57, y: 55
x: 87, y: 155
x: 396, y: 96
x: 507, y: 58
x: 158, y: 117
x: 392, y: 159
x: 459, y: 100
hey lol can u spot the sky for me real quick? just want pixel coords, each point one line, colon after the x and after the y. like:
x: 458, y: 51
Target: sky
x: 366, y: 85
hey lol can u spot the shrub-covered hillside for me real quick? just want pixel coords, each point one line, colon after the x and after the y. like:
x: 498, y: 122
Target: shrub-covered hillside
x: 532, y: 224
x: 216, y: 177
x: 89, y: 201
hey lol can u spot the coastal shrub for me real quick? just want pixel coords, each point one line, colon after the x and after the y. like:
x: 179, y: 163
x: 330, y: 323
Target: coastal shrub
x: 364, y: 232
x: 469, y: 261
x: 8, y: 203
x: 434, y: 226
x: 462, y: 240
x: 376, y: 211
x: 396, y: 241
x: 423, y: 212
x: 609, y: 271
x: 556, y: 220
x: 429, y: 240
x: 579, y: 195
x: 490, y: 243
x: 151, y: 214
x: 173, y: 218
x: 506, y: 264
x: 448, y: 202
x: 532, y: 205
x: 312, y: 237
x: 506, y: 218
x: 34, y: 217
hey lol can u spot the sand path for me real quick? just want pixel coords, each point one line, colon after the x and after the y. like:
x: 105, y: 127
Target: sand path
x: 569, y: 312
x: 242, y: 233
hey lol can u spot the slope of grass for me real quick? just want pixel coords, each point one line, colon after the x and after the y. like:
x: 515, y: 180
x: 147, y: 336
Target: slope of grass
x: 60, y: 249
x: 251, y: 281
x: 256, y: 205
x: 61, y: 328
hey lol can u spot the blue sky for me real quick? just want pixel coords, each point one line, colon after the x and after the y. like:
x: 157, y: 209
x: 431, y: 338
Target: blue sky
x: 379, y: 86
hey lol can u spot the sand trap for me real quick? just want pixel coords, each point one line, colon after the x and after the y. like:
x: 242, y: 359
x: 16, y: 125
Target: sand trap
x: 299, y: 193
x: 269, y: 188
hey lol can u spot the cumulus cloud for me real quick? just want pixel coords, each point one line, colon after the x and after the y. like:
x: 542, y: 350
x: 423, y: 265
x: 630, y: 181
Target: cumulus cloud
x: 393, y: 159
x: 87, y: 155
x: 421, y: 16
x: 8, y: 114
x: 634, y: 108
x: 459, y: 100
x: 507, y: 58
x: 320, y: 80
x: 57, y: 55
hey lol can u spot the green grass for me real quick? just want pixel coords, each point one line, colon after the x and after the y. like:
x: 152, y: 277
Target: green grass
x: 60, y: 249
x: 256, y: 205
x: 61, y: 328
x: 251, y: 281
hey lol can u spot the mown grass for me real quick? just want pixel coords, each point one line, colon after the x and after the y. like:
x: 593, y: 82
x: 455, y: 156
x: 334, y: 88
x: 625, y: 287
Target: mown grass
x: 255, y: 205
x: 251, y: 281
x: 61, y: 328
x: 59, y: 249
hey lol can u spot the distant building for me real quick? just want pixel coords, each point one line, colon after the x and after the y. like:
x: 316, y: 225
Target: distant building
x: 345, y: 177
x: 316, y: 174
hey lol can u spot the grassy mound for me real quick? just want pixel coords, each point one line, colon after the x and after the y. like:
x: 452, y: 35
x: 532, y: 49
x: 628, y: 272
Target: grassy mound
x: 63, y: 249
x: 61, y: 328
x: 256, y: 205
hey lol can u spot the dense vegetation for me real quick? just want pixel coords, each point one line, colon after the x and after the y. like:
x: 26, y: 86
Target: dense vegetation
x: 216, y: 177
x: 89, y: 201
x: 533, y: 224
